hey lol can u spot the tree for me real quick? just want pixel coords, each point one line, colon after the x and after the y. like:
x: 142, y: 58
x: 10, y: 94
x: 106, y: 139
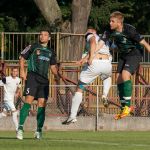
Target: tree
x: 50, y: 10
x: 78, y: 24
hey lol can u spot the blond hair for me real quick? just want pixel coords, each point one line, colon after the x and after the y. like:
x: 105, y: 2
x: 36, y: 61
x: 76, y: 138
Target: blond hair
x: 118, y: 15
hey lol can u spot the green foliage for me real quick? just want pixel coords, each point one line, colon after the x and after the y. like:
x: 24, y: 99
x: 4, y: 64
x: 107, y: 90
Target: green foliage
x: 10, y: 24
x: 25, y: 16
x: 1, y: 24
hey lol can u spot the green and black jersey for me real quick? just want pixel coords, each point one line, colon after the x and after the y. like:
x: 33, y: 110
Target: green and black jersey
x: 126, y: 41
x: 39, y: 58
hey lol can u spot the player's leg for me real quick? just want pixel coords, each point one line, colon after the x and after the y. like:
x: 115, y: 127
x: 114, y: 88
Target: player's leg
x: 76, y: 101
x: 124, y: 83
x: 6, y: 110
x: 40, y: 117
x: 14, y: 113
x: 3, y: 114
x: 30, y: 93
x: 106, y: 88
x: 42, y: 95
x: 77, y: 98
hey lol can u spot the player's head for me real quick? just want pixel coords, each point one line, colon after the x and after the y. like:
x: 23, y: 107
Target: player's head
x: 14, y: 72
x: 90, y: 29
x: 116, y: 20
x: 45, y: 36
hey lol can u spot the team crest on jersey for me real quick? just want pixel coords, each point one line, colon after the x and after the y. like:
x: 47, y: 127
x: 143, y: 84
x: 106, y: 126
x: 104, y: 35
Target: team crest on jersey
x: 38, y: 51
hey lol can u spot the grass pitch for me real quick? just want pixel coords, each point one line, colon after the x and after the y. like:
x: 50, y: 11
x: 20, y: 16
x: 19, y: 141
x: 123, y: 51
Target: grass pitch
x: 77, y: 140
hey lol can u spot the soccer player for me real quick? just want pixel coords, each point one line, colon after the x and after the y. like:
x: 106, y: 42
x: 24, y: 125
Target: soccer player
x: 39, y: 57
x: 11, y: 86
x: 98, y: 64
x: 130, y: 47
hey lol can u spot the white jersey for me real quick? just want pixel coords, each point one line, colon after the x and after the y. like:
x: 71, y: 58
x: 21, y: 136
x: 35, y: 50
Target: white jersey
x: 103, y: 50
x: 10, y: 88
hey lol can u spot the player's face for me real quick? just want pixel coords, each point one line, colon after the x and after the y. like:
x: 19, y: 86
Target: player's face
x: 14, y: 73
x: 44, y: 37
x: 114, y: 23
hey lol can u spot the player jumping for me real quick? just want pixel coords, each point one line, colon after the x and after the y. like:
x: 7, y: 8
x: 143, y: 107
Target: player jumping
x: 130, y: 47
x: 98, y: 63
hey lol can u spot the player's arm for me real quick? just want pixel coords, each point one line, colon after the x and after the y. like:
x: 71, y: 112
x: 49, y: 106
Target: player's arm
x: 53, y: 65
x: 137, y: 37
x: 145, y: 44
x: 24, y: 56
x: 83, y: 60
x: 92, y: 49
x: 18, y: 92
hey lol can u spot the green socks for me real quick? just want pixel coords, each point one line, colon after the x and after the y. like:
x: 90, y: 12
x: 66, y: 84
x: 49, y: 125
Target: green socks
x: 23, y: 115
x: 40, y: 118
x: 125, y: 93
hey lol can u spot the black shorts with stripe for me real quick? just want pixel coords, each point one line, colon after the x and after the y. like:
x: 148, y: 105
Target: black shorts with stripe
x: 36, y: 86
x: 130, y: 61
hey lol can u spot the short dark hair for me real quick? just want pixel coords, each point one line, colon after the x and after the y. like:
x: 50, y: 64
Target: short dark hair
x: 46, y: 30
x: 14, y: 68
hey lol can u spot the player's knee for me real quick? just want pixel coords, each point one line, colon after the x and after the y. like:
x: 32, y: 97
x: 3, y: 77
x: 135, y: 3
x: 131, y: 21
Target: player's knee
x: 81, y: 85
x: 41, y: 102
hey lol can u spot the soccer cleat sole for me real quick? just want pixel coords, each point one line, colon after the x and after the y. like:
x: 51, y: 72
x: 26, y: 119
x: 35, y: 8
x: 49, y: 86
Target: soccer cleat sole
x: 67, y: 122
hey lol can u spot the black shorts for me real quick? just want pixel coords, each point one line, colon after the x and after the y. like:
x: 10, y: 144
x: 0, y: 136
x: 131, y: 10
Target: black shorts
x: 36, y: 86
x: 129, y: 62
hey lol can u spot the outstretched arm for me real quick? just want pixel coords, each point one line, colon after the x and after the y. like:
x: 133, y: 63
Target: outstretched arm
x: 145, y: 44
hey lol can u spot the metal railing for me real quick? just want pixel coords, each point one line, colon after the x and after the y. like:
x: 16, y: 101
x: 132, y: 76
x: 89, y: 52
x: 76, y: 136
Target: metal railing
x: 65, y: 45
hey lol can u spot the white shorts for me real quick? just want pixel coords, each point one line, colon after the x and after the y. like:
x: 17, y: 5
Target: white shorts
x: 9, y: 106
x: 102, y: 68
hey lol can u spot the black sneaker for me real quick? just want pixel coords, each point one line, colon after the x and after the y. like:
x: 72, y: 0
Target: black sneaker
x: 69, y: 121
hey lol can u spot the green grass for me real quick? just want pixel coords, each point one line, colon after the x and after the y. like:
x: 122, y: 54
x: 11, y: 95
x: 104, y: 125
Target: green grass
x: 77, y: 140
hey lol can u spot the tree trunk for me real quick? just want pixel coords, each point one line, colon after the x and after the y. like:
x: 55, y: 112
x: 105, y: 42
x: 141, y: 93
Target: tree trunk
x: 50, y: 10
x: 80, y: 14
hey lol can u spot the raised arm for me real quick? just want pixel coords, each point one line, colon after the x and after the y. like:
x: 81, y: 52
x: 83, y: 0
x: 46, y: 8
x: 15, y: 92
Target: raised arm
x: 145, y: 44
x: 92, y: 49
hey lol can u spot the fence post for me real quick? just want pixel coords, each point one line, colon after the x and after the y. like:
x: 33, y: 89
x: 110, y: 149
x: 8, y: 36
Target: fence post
x: 2, y: 45
x: 97, y: 108
x: 57, y: 45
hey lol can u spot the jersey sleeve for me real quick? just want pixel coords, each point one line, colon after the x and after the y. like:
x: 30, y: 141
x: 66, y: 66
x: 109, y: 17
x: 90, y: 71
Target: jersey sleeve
x: 53, y: 58
x: 105, y: 36
x: 133, y: 34
x: 4, y: 80
x: 26, y: 52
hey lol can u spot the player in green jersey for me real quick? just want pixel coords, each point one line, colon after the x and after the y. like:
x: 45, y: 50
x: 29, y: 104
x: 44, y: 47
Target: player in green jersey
x: 130, y: 48
x: 39, y: 57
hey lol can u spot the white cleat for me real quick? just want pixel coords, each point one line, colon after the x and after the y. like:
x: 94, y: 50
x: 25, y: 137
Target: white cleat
x: 20, y: 134
x: 69, y: 121
x: 38, y: 135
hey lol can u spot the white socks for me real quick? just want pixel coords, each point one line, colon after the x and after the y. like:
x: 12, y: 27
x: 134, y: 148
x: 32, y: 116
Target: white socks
x: 76, y: 101
x: 106, y: 86
x: 15, y: 119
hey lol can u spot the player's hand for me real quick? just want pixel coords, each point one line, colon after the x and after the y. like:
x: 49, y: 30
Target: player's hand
x: 81, y: 61
x: 90, y: 60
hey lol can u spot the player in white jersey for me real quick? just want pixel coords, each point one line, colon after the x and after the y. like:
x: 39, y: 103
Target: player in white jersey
x: 11, y: 86
x: 98, y: 63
